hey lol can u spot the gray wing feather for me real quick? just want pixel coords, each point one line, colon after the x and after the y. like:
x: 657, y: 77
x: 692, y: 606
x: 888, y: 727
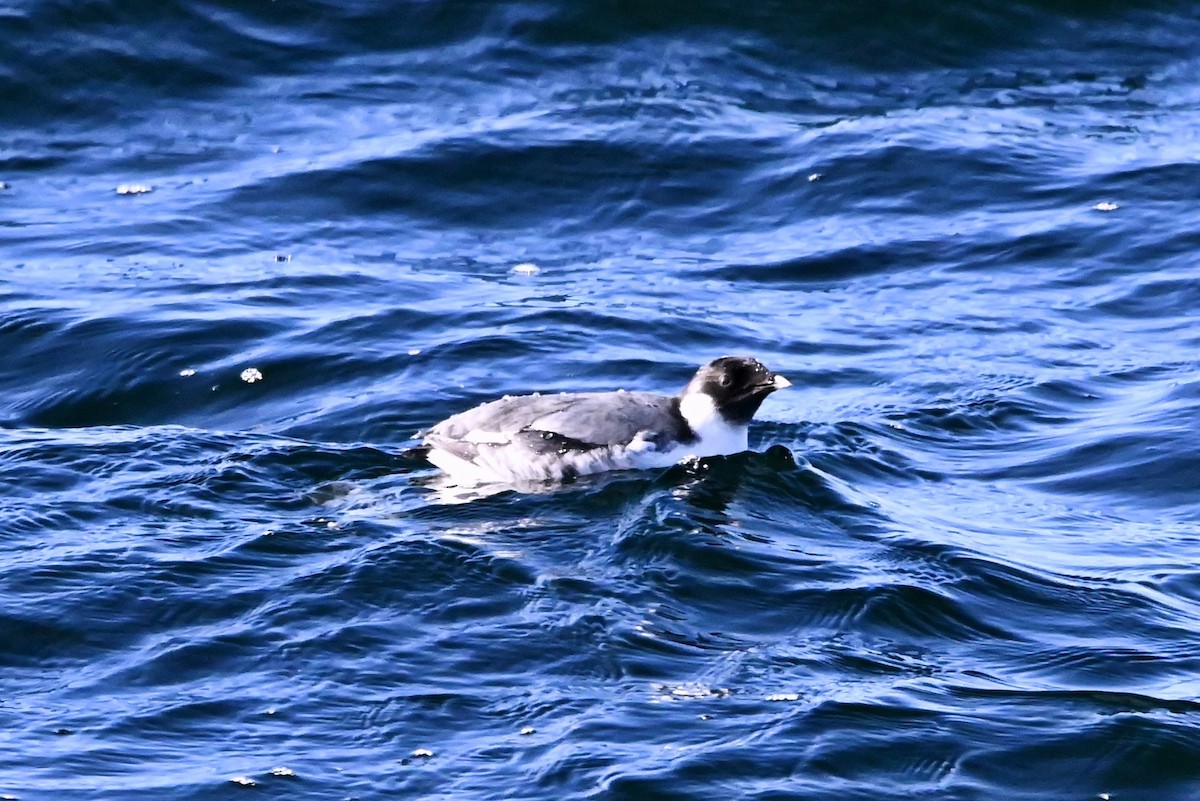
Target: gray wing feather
x: 583, y: 420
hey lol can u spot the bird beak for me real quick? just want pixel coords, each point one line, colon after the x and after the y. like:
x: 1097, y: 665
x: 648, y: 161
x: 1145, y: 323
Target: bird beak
x: 779, y: 382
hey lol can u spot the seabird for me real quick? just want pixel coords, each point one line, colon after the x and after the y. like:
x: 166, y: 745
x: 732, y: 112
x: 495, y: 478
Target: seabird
x: 555, y: 437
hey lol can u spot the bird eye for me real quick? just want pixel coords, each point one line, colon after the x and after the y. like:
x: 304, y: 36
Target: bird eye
x: 725, y: 380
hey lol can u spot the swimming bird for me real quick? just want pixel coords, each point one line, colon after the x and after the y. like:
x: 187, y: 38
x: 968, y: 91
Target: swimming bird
x: 554, y: 437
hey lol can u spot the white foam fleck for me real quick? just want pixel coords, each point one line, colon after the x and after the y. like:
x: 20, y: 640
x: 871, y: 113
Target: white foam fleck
x: 526, y: 268
x: 282, y: 771
x: 187, y: 371
x: 691, y: 691
x: 134, y: 189
x: 252, y: 374
x: 244, y: 781
x: 1106, y: 205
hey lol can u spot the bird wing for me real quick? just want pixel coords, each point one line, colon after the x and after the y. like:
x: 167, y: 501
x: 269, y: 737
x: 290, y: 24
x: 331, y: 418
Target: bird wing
x: 549, y: 423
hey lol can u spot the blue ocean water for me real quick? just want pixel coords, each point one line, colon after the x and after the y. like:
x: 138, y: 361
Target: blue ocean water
x: 247, y: 249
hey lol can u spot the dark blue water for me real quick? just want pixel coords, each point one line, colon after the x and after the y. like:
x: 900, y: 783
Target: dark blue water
x: 963, y: 562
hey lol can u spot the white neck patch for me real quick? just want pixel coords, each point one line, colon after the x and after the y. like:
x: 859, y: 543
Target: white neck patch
x: 717, y: 436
